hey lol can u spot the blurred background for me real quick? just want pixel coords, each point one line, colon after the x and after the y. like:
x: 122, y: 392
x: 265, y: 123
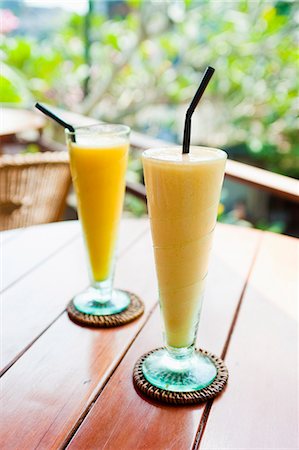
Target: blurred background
x: 139, y: 62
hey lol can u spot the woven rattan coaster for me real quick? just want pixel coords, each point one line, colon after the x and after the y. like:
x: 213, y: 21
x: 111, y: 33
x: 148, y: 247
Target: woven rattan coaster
x: 182, y: 398
x: 134, y: 310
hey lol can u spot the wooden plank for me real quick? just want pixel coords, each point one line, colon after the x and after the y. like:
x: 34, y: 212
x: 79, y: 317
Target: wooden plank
x: 275, y: 184
x: 14, y: 121
x: 120, y: 418
x: 278, y: 185
x: 33, y: 303
x: 55, y: 381
x: 7, y: 235
x: 32, y: 246
x: 136, y: 189
x: 259, y: 409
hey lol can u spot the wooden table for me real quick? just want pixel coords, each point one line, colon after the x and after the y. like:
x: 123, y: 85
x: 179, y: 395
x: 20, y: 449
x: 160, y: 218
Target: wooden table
x: 68, y: 386
x: 14, y: 121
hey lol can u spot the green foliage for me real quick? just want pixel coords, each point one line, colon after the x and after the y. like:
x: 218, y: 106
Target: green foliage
x: 135, y: 171
x: 9, y: 93
x: 148, y: 63
x: 31, y: 148
x: 136, y: 206
x: 275, y: 227
x: 134, y: 3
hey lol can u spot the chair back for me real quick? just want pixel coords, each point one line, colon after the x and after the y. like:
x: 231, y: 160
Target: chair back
x: 33, y: 188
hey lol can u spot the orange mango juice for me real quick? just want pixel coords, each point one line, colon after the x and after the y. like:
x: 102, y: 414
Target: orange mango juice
x: 98, y: 173
x: 183, y: 194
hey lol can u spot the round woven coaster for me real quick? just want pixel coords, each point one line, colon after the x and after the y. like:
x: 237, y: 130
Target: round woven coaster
x: 134, y: 310
x: 182, y: 398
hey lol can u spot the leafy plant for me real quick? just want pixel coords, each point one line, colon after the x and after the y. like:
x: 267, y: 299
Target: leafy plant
x: 136, y: 206
x: 275, y: 227
x: 146, y: 63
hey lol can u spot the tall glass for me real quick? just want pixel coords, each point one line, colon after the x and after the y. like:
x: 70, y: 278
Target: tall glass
x: 98, y: 157
x: 183, y: 194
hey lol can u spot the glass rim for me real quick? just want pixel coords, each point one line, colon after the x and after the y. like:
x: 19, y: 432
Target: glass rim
x: 100, y: 128
x: 150, y: 153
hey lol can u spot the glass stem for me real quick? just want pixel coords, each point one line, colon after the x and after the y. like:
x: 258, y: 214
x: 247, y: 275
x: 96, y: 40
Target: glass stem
x: 182, y: 353
x: 104, y: 290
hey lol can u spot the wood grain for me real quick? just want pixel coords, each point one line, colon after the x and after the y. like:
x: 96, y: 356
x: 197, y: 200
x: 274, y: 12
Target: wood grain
x: 259, y: 409
x: 32, y: 304
x: 122, y: 419
x: 6, y: 236
x: 278, y: 185
x: 32, y: 246
x: 15, y: 121
x: 51, y: 386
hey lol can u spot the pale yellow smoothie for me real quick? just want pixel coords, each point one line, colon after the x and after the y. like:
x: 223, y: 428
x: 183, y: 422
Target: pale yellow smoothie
x: 98, y: 173
x: 183, y: 193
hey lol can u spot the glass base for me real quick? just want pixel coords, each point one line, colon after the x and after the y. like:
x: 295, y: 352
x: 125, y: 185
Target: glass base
x: 179, y: 374
x: 91, y: 302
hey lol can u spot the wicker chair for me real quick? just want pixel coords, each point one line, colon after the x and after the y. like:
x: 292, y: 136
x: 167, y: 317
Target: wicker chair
x: 33, y: 188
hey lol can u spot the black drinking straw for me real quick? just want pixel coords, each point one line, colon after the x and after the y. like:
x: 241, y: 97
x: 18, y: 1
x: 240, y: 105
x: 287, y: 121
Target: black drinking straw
x: 202, y: 87
x: 57, y: 119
